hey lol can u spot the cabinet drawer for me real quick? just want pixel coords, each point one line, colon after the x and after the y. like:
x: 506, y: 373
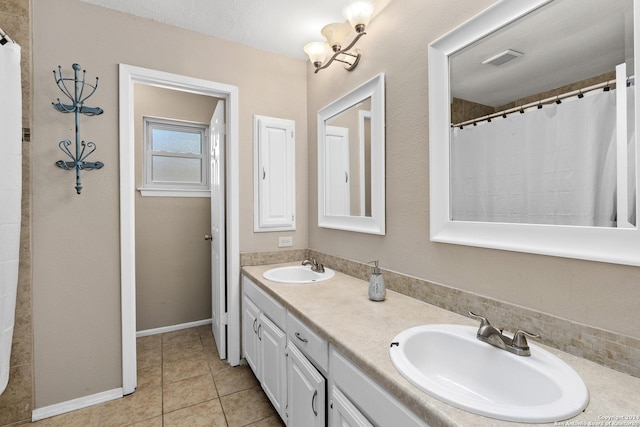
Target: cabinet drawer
x: 310, y: 343
x: 270, y: 307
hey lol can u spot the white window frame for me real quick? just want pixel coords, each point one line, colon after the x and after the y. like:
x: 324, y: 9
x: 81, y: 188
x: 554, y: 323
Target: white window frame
x: 174, y: 188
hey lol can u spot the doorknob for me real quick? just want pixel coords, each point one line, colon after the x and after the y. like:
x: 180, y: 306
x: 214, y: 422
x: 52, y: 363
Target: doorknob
x: 208, y: 237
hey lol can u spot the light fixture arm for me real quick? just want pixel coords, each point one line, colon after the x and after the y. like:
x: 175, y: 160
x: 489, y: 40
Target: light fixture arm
x: 344, y: 51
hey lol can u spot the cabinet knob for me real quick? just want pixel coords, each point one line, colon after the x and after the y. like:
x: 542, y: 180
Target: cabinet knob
x: 208, y: 237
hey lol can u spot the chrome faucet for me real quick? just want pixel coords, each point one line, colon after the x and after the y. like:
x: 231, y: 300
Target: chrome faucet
x: 315, y: 266
x: 517, y: 345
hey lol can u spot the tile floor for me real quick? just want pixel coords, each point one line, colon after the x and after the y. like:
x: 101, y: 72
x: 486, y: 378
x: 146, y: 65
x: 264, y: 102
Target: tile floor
x: 181, y: 382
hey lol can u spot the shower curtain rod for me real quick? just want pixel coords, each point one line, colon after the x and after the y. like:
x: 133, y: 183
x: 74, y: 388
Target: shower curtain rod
x: 4, y: 38
x: 557, y: 99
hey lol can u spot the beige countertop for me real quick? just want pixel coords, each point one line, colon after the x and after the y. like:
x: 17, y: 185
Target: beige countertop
x: 340, y: 311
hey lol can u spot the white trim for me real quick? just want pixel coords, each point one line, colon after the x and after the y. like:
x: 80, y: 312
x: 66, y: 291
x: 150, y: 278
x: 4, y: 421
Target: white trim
x: 164, y: 192
x: 614, y: 245
x: 75, y: 404
x: 172, y: 328
x: 129, y: 75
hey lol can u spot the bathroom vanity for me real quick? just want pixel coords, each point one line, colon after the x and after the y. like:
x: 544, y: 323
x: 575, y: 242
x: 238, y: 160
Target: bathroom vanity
x: 321, y: 353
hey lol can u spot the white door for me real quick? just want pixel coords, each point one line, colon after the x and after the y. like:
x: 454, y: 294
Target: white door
x: 306, y: 391
x: 218, y: 227
x: 337, y: 191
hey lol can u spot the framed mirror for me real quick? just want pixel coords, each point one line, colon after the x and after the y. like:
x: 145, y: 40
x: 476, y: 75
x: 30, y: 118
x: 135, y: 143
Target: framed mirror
x: 351, y: 160
x: 532, y: 118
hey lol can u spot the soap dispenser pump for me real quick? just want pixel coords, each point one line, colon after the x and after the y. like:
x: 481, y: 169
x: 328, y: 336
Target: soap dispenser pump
x: 377, y: 291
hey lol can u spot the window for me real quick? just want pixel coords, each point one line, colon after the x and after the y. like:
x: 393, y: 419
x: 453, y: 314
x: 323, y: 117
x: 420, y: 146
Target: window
x: 176, y: 158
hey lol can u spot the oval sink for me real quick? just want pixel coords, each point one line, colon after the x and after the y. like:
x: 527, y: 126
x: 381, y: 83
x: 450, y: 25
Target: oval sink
x: 297, y: 274
x: 451, y: 364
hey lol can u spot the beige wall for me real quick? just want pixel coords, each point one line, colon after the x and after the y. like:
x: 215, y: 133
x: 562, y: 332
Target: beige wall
x: 173, y: 261
x: 76, y: 269
x: 593, y: 293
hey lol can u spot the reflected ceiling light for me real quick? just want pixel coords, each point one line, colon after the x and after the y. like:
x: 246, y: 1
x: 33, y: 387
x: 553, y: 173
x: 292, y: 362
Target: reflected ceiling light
x: 358, y: 13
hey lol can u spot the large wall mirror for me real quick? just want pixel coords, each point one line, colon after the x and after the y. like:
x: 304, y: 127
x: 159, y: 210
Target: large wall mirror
x: 351, y: 174
x: 533, y: 112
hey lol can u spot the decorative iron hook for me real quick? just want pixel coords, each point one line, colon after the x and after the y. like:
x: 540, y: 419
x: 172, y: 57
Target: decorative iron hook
x: 82, y: 149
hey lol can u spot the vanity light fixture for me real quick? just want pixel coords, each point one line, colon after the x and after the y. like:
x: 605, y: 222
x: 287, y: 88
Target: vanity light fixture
x: 358, y: 13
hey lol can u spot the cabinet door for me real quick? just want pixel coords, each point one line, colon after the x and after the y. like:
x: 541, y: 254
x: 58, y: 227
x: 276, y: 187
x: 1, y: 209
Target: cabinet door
x: 274, y: 175
x: 250, y: 314
x: 344, y: 413
x: 306, y: 389
x: 273, y: 363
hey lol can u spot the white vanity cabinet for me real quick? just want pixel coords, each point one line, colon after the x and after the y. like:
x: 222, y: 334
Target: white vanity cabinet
x: 293, y: 362
x: 264, y: 343
x: 356, y: 400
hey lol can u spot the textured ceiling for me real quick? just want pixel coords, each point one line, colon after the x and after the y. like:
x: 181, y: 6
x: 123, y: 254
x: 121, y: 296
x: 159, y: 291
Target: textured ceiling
x: 281, y: 26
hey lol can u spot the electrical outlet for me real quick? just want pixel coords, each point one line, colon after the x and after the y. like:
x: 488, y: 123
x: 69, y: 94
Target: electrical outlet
x: 285, y: 242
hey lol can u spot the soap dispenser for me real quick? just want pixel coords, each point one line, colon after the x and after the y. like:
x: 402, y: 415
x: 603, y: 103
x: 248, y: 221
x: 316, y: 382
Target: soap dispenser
x: 377, y: 291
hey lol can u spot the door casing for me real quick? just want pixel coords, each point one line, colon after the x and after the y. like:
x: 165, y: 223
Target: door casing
x: 129, y: 75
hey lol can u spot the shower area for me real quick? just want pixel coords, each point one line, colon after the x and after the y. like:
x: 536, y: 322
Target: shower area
x: 16, y: 331
x: 542, y: 126
x: 10, y: 194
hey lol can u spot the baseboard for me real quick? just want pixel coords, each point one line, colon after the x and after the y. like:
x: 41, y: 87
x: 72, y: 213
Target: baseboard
x: 75, y: 404
x: 172, y: 328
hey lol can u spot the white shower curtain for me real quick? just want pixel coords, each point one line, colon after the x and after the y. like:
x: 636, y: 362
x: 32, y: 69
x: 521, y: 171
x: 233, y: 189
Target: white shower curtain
x: 10, y: 197
x: 553, y: 165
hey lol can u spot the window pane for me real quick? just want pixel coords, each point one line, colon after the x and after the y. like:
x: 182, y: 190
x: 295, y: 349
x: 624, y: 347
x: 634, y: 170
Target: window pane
x: 174, y: 141
x: 176, y: 169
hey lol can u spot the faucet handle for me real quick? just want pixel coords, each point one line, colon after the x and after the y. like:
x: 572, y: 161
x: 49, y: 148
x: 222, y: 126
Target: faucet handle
x: 520, y: 338
x: 483, y: 320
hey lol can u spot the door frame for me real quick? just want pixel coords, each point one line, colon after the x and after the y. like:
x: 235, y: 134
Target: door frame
x: 128, y: 75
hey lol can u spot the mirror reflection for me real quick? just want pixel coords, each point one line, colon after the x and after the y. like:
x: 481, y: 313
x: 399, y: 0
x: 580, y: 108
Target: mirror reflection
x: 351, y: 165
x: 542, y: 119
x: 348, y: 161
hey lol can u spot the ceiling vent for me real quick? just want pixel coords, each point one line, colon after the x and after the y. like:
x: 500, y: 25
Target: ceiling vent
x: 502, y: 57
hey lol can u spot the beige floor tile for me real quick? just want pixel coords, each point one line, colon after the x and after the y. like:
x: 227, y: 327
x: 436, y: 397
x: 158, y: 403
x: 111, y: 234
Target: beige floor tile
x: 150, y: 377
x: 233, y: 379
x: 181, y: 351
x: 148, y: 357
x: 143, y: 404
x: 246, y: 407
x: 180, y: 337
x: 150, y: 342
x: 203, y: 414
x: 216, y: 364
x: 189, y: 392
x: 151, y: 422
x: 183, y: 369
x: 273, y: 421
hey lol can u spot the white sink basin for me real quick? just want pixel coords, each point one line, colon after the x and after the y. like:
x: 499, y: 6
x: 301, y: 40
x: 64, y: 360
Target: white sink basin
x: 297, y: 274
x: 451, y: 364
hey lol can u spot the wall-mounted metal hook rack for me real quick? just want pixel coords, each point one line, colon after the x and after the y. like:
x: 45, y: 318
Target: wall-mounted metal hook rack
x: 82, y: 149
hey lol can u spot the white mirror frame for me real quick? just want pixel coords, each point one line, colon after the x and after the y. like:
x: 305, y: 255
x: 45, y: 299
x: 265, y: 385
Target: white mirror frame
x: 614, y: 245
x: 374, y: 224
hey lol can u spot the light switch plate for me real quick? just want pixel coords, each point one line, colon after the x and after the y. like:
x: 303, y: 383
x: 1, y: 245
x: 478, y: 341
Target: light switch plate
x: 285, y: 242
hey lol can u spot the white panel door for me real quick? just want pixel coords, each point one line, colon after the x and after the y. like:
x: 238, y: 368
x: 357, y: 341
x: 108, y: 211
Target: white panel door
x: 250, y: 320
x: 274, y: 175
x: 218, y: 227
x: 344, y: 413
x: 273, y: 363
x: 306, y: 391
x: 337, y: 192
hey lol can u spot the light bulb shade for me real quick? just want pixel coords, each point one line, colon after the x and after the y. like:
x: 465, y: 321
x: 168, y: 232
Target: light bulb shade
x: 358, y: 12
x: 316, y: 51
x: 336, y: 34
